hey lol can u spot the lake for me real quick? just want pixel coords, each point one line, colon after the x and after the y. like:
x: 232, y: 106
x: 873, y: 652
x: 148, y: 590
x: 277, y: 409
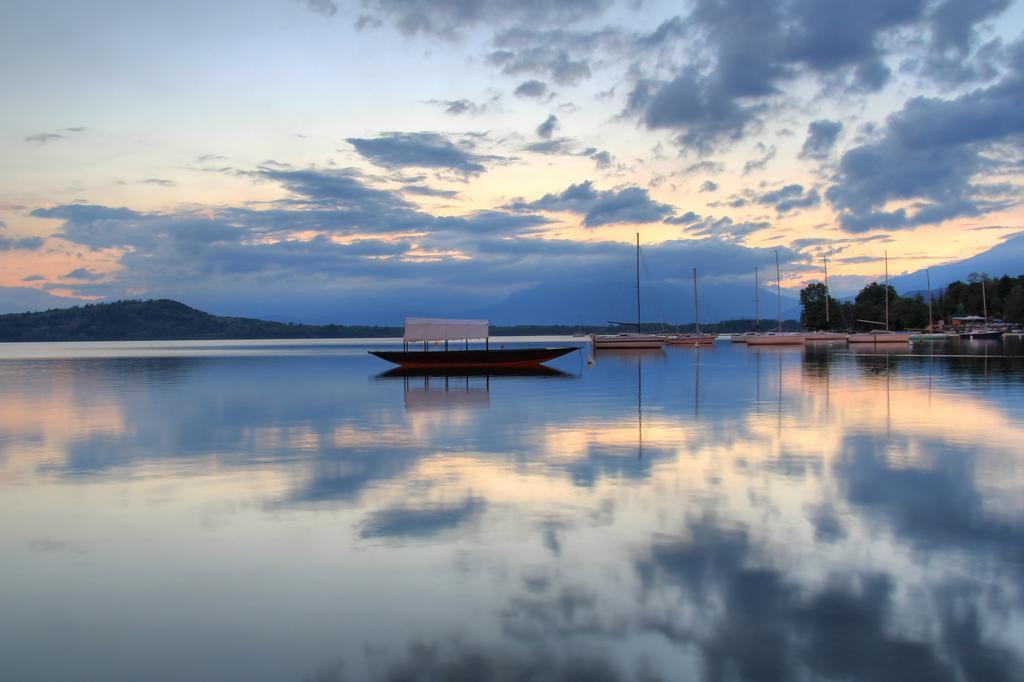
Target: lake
x: 291, y: 511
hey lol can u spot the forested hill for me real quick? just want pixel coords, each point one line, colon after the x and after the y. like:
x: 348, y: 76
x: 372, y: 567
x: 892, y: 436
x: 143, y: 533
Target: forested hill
x: 161, y: 320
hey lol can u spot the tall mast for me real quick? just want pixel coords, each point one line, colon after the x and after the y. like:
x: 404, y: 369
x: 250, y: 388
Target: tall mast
x: 757, y: 303
x: 928, y: 280
x: 637, y: 282
x: 778, y: 288
x: 984, y: 306
x: 825, y: 261
x: 696, y: 303
x: 886, y: 290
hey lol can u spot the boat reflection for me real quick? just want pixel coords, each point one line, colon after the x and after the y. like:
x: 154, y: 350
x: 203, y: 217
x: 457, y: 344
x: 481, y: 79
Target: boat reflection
x: 473, y: 372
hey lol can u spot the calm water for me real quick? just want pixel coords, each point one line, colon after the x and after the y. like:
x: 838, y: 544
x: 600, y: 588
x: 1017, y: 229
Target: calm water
x: 281, y: 511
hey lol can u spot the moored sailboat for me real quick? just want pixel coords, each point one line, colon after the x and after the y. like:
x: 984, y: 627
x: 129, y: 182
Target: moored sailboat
x: 630, y: 339
x: 824, y: 335
x: 695, y: 338
x: 881, y: 335
x: 777, y: 337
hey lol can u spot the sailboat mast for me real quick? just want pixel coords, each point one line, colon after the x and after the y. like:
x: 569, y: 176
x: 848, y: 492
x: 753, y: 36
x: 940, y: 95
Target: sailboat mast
x: 928, y: 281
x: 696, y: 303
x: 984, y: 305
x: 757, y: 302
x: 638, y: 282
x: 778, y: 289
x: 886, y: 290
x: 824, y: 260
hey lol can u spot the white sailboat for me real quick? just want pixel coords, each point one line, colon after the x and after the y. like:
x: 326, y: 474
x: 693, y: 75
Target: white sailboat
x: 695, y: 338
x: 931, y: 334
x: 777, y: 337
x: 881, y: 335
x: 629, y: 339
x: 825, y: 335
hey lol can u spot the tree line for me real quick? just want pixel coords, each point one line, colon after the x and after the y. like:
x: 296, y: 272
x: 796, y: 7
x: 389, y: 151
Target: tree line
x: 1003, y: 296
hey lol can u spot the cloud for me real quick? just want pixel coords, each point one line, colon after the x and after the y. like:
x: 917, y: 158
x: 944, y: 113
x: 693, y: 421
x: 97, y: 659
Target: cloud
x: 790, y: 197
x: 708, y: 186
x: 420, y: 150
x: 21, y: 244
x: 547, y: 128
x: 627, y: 205
x: 741, y: 55
x: 821, y: 137
x: 160, y: 182
x: 929, y: 154
x: 602, y: 159
x: 83, y: 274
x: 43, y: 138
x: 563, y: 55
x: 558, y: 145
x: 33, y: 278
x: 759, y: 164
x: 450, y: 18
x: 953, y: 23
x: 457, y: 107
x: 327, y: 8
x: 424, y: 191
x: 533, y: 89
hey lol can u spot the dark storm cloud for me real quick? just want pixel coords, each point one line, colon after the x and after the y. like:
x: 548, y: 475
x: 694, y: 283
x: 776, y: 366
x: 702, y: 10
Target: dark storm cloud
x: 790, y: 197
x: 547, y: 128
x: 752, y: 50
x: 821, y: 137
x: 954, y: 22
x: 420, y: 150
x: 449, y: 18
x: 601, y: 207
x: 532, y: 88
x: 929, y: 153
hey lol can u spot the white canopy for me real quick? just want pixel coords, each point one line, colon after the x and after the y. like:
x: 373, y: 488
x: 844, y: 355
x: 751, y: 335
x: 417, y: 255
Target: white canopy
x: 431, y: 329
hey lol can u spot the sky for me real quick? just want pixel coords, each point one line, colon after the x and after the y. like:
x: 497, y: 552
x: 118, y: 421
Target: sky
x: 358, y: 161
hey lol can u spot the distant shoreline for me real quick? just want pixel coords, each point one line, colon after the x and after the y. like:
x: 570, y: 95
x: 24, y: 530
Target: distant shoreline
x: 167, y: 320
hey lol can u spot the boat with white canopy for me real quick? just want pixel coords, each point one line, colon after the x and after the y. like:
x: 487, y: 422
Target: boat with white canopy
x: 429, y: 331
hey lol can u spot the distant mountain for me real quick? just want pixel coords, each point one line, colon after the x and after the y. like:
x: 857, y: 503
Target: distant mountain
x: 158, y: 321
x: 1004, y: 259
x: 590, y: 303
x: 21, y: 299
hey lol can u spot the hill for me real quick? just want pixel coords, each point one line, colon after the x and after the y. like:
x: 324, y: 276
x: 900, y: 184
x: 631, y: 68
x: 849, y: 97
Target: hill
x: 160, y: 320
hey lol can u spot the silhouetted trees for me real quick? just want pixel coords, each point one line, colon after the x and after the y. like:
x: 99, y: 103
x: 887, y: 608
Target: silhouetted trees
x: 1003, y: 297
x: 814, y: 314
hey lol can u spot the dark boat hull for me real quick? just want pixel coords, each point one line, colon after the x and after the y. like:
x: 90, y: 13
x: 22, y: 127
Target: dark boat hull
x: 503, y: 357
x: 987, y: 334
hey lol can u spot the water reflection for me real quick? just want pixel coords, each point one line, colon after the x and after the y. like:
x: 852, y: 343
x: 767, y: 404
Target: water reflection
x: 735, y: 513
